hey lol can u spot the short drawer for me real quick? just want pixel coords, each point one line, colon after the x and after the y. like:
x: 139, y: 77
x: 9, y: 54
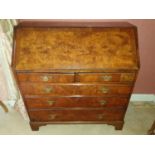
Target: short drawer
x: 74, y: 102
x: 77, y: 115
x: 45, y: 77
x: 105, y: 77
x: 74, y: 89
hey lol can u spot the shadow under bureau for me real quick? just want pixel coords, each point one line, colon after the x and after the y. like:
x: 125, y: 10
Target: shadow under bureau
x: 75, y: 72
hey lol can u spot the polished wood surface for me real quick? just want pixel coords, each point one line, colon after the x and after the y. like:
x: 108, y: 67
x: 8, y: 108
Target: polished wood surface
x: 75, y: 72
x: 106, y: 77
x: 77, y: 115
x: 74, y: 23
x: 78, y: 77
x: 75, y: 102
x: 74, y: 89
x: 45, y: 77
x: 74, y: 48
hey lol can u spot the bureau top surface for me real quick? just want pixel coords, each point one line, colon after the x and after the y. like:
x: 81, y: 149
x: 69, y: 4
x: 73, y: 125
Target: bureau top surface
x: 55, y: 48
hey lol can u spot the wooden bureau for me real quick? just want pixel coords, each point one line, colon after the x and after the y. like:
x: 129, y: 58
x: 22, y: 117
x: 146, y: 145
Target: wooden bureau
x: 75, y: 72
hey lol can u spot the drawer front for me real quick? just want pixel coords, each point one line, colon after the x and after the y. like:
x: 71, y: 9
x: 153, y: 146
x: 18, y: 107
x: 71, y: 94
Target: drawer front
x: 83, y: 102
x: 47, y: 89
x: 77, y: 115
x: 104, y: 90
x: 74, y: 89
x: 106, y: 77
x: 44, y: 77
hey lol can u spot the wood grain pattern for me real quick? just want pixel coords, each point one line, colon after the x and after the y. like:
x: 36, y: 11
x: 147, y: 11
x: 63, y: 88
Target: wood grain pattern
x: 103, y: 89
x: 77, y: 115
x: 105, y: 77
x: 74, y: 89
x: 75, y: 72
x: 45, y: 77
x: 74, y: 23
x: 75, y: 102
x: 74, y: 48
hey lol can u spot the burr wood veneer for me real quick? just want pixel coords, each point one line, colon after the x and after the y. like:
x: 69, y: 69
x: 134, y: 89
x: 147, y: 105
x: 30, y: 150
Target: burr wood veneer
x: 75, y: 72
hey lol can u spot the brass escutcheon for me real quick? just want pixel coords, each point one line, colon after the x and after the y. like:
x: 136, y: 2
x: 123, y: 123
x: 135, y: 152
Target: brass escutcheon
x: 127, y: 77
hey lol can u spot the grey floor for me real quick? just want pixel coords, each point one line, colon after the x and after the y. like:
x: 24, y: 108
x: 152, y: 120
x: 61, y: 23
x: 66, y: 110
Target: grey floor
x: 138, y: 120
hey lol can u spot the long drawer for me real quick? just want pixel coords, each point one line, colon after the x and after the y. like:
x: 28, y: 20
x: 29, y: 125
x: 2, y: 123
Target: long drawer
x: 48, y: 89
x: 83, y: 102
x: 77, y: 115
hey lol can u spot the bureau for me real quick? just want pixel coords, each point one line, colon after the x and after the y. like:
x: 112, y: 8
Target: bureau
x: 75, y: 72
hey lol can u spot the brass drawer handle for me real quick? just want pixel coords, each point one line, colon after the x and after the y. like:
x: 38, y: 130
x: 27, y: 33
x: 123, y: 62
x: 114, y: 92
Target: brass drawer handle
x: 103, y: 102
x: 52, y: 116
x: 45, y: 78
x: 104, y: 90
x: 101, y: 116
x: 50, y: 102
x: 48, y: 89
x: 107, y: 77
